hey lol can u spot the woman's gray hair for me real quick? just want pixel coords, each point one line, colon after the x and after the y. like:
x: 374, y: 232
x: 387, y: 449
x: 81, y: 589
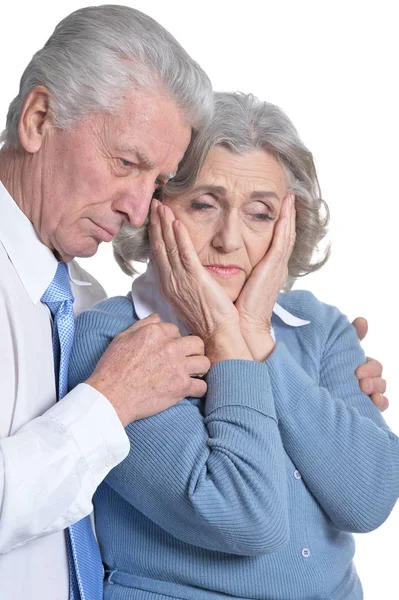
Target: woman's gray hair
x: 97, y: 53
x: 242, y: 123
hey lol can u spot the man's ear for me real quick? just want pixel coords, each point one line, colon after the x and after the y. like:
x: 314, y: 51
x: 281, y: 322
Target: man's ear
x: 35, y: 119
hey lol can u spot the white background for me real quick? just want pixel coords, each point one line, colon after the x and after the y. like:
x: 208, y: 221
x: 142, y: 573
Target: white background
x: 333, y: 67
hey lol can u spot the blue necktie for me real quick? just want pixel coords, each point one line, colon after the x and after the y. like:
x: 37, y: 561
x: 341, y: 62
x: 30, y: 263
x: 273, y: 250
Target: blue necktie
x: 85, y: 566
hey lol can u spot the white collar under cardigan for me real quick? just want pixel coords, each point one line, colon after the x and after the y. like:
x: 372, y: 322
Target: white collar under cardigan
x: 147, y: 299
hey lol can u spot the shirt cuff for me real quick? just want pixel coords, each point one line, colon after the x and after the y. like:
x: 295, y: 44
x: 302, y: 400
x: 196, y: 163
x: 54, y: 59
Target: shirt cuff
x: 95, y: 427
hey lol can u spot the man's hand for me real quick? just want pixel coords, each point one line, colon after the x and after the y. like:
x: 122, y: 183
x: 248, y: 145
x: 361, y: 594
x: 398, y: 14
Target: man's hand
x: 369, y: 374
x: 148, y: 368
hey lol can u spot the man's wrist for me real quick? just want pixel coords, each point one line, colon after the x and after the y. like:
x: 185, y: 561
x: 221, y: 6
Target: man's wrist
x: 119, y: 407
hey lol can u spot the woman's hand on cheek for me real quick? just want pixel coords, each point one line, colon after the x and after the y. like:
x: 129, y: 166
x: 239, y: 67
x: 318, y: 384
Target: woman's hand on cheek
x: 187, y: 286
x: 257, y: 298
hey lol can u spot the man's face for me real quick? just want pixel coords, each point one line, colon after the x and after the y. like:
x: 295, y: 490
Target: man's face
x: 103, y: 172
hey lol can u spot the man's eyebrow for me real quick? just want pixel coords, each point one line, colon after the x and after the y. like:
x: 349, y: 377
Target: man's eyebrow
x: 151, y: 165
x: 260, y: 195
x: 144, y: 159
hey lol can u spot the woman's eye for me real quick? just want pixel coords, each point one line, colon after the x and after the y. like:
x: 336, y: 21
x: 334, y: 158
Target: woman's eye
x: 201, y: 205
x: 260, y: 212
x: 263, y: 217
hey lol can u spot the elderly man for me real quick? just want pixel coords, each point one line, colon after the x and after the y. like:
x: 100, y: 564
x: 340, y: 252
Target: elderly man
x: 104, y: 115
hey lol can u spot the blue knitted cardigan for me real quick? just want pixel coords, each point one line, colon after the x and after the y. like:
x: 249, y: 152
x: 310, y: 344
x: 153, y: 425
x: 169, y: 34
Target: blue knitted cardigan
x: 252, y: 492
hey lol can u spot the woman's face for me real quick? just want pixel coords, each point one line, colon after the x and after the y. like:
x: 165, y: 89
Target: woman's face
x: 231, y: 213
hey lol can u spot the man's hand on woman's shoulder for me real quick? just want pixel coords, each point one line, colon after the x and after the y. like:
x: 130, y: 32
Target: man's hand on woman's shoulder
x: 150, y: 367
x: 370, y: 373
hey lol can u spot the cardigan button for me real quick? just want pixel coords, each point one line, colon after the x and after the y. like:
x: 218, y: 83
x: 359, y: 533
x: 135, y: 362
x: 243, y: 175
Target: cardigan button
x: 297, y: 474
x: 305, y: 552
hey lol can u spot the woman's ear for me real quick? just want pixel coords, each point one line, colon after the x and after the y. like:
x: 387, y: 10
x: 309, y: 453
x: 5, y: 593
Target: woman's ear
x: 35, y: 119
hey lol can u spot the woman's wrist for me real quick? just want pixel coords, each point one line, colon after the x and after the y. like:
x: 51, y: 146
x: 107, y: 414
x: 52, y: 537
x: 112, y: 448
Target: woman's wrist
x: 261, y: 347
x: 227, y: 344
x: 258, y: 340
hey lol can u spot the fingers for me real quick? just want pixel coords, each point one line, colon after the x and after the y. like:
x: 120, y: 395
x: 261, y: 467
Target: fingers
x: 170, y: 241
x: 361, y: 325
x: 197, y: 389
x: 198, y: 366
x: 166, y: 218
x: 381, y: 402
x: 284, y: 235
x: 151, y: 319
x: 188, y: 255
x: 373, y: 385
x: 192, y: 345
x: 156, y: 239
x: 170, y: 330
x: 371, y: 368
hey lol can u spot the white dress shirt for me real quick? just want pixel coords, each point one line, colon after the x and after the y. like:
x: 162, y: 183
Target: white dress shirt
x: 52, y: 456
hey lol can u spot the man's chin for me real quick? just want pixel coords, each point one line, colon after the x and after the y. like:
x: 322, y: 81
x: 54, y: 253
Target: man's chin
x: 86, y: 250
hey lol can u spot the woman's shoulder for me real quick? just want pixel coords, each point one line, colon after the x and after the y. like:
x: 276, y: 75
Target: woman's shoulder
x: 303, y: 304
x: 328, y: 329
x: 111, y: 315
x: 94, y: 331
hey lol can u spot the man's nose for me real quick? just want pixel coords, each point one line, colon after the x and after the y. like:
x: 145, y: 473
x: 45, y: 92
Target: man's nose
x: 135, y: 203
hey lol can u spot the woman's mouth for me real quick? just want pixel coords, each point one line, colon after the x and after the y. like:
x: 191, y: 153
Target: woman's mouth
x: 224, y: 270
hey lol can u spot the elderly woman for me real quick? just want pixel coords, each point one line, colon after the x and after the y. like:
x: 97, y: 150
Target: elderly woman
x: 253, y: 491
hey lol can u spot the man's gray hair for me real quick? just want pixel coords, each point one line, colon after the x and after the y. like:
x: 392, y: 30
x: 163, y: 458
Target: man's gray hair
x: 242, y: 123
x: 97, y: 53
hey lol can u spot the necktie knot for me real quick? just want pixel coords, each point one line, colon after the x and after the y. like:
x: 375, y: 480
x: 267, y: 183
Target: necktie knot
x: 59, y: 290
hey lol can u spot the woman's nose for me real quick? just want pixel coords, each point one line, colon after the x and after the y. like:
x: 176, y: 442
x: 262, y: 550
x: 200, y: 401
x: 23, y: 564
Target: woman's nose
x: 228, y: 235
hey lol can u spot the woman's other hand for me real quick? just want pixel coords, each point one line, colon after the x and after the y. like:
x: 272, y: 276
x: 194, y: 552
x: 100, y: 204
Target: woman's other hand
x: 197, y: 298
x: 257, y: 298
x: 370, y: 373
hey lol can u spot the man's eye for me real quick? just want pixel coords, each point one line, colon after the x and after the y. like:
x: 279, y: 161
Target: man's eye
x: 126, y: 163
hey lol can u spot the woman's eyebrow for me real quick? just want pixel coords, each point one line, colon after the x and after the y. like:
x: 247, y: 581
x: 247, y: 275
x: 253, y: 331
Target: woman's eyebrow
x: 259, y: 195
x: 218, y: 190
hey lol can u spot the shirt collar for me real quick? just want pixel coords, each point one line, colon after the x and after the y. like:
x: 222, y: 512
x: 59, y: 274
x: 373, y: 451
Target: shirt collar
x: 147, y: 300
x: 33, y: 261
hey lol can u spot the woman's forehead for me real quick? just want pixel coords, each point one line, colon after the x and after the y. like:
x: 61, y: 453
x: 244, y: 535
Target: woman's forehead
x: 250, y: 169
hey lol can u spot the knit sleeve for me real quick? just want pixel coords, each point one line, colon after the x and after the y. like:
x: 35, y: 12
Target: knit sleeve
x: 348, y: 457
x: 210, y: 472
